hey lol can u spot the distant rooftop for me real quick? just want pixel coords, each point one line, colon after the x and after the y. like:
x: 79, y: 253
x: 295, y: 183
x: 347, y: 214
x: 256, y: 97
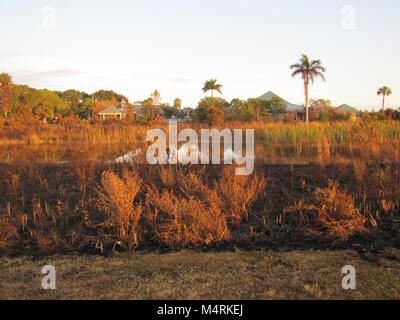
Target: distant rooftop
x: 270, y: 95
x: 111, y: 110
x: 290, y: 107
x: 294, y: 107
x: 347, y: 108
x: 140, y: 111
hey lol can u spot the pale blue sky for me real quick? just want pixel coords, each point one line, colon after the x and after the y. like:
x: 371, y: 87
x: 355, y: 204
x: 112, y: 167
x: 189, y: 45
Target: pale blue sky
x: 134, y: 47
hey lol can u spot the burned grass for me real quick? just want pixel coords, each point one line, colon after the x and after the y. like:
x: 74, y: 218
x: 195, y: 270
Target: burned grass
x: 90, y: 207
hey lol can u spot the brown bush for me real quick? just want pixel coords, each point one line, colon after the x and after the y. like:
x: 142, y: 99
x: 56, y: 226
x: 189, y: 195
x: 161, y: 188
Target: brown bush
x: 117, y: 197
x: 332, y: 214
x: 186, y: 221
x: 84, y: 171
x: 9, y: 233
x: 238, y: 193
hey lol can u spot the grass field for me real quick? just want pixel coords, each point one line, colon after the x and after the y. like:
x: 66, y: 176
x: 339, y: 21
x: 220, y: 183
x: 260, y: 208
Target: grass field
x: 211, y: 275
x: 69, y: 202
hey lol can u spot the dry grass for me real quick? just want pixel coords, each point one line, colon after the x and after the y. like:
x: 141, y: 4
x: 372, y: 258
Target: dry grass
x: 187, y: 211
x: 238, y: 193
x: 265, y: 275
x: 332, y: 214
x: 55, y: 207
x: 183, y: 222
x: 117, y: 197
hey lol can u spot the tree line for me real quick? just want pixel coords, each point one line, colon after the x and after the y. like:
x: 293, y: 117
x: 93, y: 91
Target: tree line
x: 24, y: 104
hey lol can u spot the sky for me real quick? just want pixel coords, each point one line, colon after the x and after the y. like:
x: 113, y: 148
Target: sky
x: 134, y: 47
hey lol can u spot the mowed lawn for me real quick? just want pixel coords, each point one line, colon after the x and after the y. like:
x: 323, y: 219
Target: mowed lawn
x: 210, y: 275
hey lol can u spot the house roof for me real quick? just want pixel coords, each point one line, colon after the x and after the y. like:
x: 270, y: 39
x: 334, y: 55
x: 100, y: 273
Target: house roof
x: 187, y: 110
x: 269, y: 96
x: 347, y: 108
x: 111, y: 110
x: 140, y: 111
x: 294, y: 107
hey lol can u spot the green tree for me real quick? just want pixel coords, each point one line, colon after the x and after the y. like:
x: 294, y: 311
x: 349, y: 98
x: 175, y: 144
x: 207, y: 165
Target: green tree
x: 156, y: 98
x: 237, y: 104
x: 212, y: 85
x: 50, y: 99
x: 255, y: 107
x: 309, y: 71
x: 151, y: 105
x: 384, y: 91
x: 37, y: 102
x: 170, y: 111
x: 5, y: 92
x: 74, y: 98
x: 86, y: 107
x: 320, y: 109
x: 107, y: 95
x: 177, y: 103
x: 43, y: 112
x: 277, y: 106
x: 200, y: 113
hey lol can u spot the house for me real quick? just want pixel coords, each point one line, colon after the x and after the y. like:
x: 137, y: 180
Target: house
x: 186, y: 114
x: 113, y: 113
x: 180, y: 117
x: 140, y: 111
x: 293, y: 111
x: 349, y: 110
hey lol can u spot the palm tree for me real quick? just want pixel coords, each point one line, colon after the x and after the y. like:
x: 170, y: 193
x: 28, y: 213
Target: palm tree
x: 309, y: 71
x: 5, y: 92
x: 212, y: 85
x: 384, y: 91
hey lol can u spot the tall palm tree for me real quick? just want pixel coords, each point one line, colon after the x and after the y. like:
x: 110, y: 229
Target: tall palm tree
x: 5, y: 92
x: 384, y: 91
x: 309, y: 71
x: 212, y: 85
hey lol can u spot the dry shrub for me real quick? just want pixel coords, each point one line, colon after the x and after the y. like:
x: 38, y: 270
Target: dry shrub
x: 49, y: 242
x: 14, y: 186
x: 84, y: 171
x: 195, y: 184
x: 117, y: 197
x: 332, y: 215
x: 41, y: 228
x: 360, y: 170
x: 170, y: 176
x: 183, y: 221
x: 46, y: 227
x: 9, y: 233
x: 238, y: 193
x: 324, y: 150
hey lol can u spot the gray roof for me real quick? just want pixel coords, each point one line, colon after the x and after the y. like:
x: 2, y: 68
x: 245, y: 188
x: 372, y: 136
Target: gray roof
x: 347, y: 108
x: 294, y: 107
x: 269, y: 96
x: 140, y: 111
x: 111, y: 110
x: 187, y: 110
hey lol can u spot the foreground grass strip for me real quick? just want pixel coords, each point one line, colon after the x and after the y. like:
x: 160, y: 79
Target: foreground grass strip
x: 191, y: 275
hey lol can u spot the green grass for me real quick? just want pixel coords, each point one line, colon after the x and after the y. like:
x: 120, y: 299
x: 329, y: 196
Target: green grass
x: 212, y: 275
